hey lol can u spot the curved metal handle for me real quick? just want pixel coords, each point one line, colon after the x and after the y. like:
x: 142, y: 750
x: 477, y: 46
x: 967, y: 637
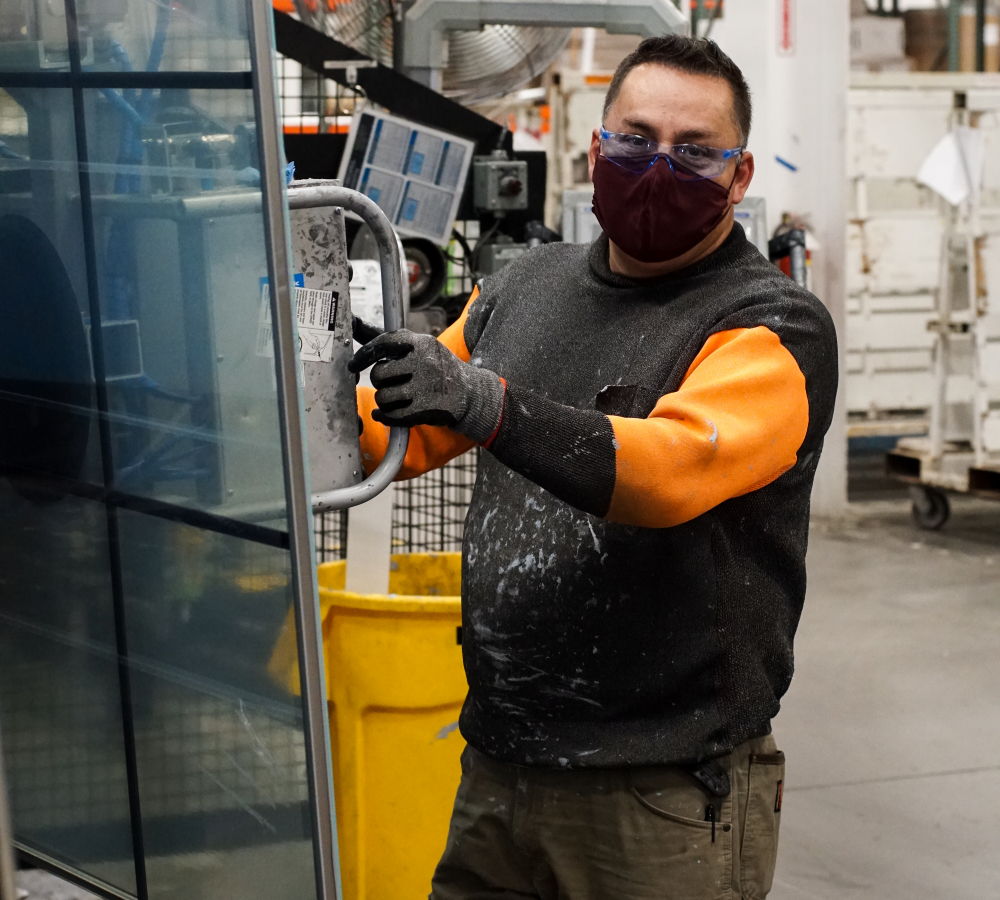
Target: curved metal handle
x: 392, y: 310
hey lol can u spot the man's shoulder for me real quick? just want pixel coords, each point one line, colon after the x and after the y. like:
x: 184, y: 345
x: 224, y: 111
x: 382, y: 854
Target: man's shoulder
x: 757, y: 286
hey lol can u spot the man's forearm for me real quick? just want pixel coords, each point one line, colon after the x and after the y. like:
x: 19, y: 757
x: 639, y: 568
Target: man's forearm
x: 569, y: 452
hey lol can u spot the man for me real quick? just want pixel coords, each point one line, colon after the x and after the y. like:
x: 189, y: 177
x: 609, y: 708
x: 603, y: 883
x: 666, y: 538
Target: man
x: 653, y: 407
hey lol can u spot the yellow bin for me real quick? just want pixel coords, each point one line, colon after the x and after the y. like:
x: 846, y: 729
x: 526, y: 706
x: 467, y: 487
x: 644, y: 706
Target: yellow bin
x: 395, y: 685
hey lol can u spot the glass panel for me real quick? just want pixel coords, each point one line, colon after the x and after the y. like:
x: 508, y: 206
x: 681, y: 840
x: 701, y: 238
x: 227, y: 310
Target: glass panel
x: 126, y: 36
x: 157, y: 35
x: 180, y: 258
x: 47, y: 399
x: 32, y: 36
x: 60, y: 694
x: 147, y: 745
x: 60, y: 699
x: 219, y: 745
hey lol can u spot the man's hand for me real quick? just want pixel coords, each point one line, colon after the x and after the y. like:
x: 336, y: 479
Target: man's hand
x: 419, y: 381
x: 363, y: 332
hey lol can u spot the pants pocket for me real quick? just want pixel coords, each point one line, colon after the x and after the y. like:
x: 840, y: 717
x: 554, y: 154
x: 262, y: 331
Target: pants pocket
x: 680, y: 838
x: 759, y: 844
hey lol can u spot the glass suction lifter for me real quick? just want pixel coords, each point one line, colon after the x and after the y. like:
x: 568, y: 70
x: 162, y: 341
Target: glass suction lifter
x: 329, y: 195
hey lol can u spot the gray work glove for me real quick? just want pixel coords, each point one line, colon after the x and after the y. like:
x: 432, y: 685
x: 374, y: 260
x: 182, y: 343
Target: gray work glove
x: 419, y: 381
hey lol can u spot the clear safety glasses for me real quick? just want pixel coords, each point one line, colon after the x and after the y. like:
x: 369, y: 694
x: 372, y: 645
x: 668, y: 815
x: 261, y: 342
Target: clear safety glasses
x: 689, y: 162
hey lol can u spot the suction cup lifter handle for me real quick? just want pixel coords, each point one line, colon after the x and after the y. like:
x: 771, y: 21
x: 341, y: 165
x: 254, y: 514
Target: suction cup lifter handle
x: 308, y: 197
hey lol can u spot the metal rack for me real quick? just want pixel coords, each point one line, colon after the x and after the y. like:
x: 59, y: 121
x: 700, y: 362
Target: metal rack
x: 331, y: 535
x: 312, y: 103
x: 428, y: 513
x: 961, y: 451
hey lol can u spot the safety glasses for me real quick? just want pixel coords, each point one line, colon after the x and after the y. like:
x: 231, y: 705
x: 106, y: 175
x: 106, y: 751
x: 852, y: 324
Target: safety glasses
x: 689, y: 162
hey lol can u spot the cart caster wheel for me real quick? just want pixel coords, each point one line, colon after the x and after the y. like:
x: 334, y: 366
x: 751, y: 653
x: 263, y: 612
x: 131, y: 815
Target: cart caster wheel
x: 930, y: 507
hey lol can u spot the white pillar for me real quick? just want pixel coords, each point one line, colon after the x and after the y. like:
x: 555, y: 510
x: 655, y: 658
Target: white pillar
x: 800, y: 115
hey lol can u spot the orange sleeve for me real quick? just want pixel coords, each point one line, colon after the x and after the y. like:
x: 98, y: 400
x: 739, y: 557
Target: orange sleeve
x: 734, y: 425
x: 430, y: 446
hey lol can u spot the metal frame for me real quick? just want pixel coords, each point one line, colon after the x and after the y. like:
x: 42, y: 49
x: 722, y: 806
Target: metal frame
x: 980, y: 35
x: 7, y: 889
x: 954, y: 456
x: 319, y: 764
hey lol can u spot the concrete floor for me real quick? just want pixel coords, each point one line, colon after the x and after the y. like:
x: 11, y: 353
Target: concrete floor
x: 892, y: 725
x: 36, y: 885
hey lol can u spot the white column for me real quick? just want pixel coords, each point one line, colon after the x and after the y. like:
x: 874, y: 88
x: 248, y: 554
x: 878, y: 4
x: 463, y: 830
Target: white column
x: 800, y: 115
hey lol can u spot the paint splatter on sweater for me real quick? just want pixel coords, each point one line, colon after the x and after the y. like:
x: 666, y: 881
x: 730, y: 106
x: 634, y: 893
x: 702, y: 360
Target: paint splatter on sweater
x: 634, y: 557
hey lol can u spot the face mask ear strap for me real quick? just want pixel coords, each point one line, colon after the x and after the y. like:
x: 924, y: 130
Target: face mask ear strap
x: 737, y: 172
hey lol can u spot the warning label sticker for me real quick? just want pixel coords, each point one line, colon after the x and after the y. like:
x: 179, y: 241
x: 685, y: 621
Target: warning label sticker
x: 316, y: 313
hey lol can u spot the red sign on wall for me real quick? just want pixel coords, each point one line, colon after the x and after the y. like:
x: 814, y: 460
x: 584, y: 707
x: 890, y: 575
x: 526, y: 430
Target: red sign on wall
x: 786, y: 27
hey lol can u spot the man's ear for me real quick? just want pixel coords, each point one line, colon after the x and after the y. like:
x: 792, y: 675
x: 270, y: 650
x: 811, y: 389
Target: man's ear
x: 592, y: 153
x: 744, y: 175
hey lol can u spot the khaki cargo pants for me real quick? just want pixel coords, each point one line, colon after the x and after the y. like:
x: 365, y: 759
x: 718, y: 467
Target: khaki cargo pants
x: 619, y: 834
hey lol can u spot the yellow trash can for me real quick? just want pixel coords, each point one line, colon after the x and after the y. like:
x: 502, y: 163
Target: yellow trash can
x: 395, y: 685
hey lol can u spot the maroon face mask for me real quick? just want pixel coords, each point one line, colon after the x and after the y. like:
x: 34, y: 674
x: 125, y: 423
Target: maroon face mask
x: 654, y: 216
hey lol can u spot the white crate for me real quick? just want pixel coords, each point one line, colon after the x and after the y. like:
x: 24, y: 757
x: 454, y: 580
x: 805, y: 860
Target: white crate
x: 894, y: 254
x: 991, y: 433
x: 894, y: 247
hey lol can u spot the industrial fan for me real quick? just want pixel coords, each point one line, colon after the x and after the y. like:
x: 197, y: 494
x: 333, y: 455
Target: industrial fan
x: 483, y: 64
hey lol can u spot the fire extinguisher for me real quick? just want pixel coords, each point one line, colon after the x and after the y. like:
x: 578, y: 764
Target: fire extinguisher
x: 790, y: 249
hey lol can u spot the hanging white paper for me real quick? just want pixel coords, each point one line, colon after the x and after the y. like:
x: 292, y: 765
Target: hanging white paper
x: 954, y: 168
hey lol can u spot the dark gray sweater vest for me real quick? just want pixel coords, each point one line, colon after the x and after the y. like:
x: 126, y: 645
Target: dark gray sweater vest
x: 588, y: 643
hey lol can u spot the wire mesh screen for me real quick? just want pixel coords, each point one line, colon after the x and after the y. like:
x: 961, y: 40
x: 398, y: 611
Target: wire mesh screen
x: 428, y: 513
x: 460, y: 275
x: 312, y: 103
x: 209, y: 758
x: 194, y: 748
x: 331, y: 535
x: 189, y: 47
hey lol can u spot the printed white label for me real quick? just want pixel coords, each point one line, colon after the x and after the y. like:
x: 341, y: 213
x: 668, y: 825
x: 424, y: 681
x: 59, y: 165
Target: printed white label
x: 366, y: 291
x: 316, y: 312
x: 991, y: 34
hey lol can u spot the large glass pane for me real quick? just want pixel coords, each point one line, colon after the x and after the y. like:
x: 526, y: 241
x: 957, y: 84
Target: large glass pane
x: 60, y: 692
x: 145, y: 572
x: 219, y: 747
x: 126, y: 35
x: 156, y: 35
x: 180, y: 261
x: 60, y: 696
x: 47, y: 394
x: 169, y: 320
x: 32, y: 36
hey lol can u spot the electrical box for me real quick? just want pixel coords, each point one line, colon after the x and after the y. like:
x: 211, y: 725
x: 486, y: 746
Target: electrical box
x: 495, y: 256
x: 499, y: 183
x: 579, y: 224
x: 751, y: 213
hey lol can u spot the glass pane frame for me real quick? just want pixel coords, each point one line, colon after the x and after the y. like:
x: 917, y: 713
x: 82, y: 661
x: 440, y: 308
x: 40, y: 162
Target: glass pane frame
x: 287, y: 526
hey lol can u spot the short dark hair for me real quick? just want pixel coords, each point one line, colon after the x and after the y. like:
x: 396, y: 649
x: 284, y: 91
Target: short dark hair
x: 699, y: 56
